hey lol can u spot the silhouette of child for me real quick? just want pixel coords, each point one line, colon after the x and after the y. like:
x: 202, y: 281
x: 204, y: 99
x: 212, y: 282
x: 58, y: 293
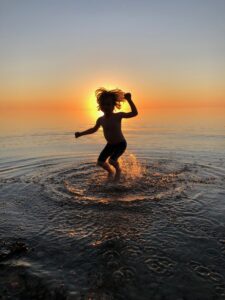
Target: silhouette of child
x: 111, y: 123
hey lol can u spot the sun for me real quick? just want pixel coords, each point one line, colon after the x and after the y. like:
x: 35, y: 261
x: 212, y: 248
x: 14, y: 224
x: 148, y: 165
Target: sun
x: 92, y: 107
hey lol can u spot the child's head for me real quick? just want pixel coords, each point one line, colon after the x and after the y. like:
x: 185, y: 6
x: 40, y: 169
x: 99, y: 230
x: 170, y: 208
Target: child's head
x: 109, y: 99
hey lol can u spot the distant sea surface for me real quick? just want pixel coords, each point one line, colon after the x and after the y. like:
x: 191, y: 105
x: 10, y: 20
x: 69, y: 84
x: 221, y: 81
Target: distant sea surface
x: 67, y: 233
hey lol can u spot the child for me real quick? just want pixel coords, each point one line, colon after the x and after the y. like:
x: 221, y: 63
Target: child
x: 111, y: 122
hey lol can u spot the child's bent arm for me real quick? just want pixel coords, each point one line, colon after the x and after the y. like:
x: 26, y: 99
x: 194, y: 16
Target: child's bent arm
x: 133, y: 112
x: 91, y: 130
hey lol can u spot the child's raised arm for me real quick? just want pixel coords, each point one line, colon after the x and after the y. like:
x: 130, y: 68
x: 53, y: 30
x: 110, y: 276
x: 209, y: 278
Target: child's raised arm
x: 90, y: 130
x: 133, y: 112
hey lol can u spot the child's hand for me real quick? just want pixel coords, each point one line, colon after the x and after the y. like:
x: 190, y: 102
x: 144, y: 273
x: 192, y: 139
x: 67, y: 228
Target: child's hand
x: 127, y: 96
x: 77, y: 134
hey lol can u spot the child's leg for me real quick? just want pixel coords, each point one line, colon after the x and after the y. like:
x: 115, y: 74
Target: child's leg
x: 106, y: 152
x: 121, y: 147
x: 105, y: 166
x: 116, y: 165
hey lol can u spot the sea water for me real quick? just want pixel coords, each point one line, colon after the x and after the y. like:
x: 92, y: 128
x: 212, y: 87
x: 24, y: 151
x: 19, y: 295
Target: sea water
x: 159, y: 233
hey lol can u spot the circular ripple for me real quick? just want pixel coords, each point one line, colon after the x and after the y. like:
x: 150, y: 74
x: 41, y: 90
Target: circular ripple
x: 208, y: 273
x: 117, y: 244
x: 141, y: 180
x: 161, y: 265
x: 197, y: 226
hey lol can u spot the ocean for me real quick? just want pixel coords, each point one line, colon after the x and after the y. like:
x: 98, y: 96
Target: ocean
x: 68, y: 233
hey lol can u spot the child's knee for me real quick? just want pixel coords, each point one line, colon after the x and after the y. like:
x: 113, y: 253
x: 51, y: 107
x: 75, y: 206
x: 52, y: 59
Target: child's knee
x: 113, y: 162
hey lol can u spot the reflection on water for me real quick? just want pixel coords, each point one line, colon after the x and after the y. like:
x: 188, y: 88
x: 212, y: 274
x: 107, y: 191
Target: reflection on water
x: 159, y: 233
x: 188, y: 131
x: 68, y: 233
x: 138, y: 182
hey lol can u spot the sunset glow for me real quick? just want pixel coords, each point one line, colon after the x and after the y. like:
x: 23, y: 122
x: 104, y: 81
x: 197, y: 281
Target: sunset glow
x: 170, y: 57
x: 126, y: 202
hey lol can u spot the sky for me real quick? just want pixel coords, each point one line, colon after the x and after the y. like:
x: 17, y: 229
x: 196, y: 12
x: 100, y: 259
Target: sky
x: 55, y: 53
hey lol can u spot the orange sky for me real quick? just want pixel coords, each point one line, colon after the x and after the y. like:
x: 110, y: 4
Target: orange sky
x: 84, y: 99
x: 168, y: 54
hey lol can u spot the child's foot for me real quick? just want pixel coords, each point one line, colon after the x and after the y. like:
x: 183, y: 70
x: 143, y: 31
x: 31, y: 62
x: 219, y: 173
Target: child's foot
x: 110, y: 176
x: 118, y: 175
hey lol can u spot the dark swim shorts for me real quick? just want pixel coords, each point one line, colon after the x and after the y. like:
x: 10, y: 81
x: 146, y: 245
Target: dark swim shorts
x: 112, y: 150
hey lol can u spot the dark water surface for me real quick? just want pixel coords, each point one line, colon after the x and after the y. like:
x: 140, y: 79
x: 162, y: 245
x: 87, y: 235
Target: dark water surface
x: 67, y: 233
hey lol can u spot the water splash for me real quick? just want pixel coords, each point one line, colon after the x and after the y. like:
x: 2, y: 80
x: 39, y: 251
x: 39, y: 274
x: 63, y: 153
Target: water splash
x: 89, y: 236
x: 132, y: 167
x: 139, y: 181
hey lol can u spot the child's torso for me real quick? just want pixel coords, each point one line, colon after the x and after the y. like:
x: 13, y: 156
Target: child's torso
x: 112, y: 128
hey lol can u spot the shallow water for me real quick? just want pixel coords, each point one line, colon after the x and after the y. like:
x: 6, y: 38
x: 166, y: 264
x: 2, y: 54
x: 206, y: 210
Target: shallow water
x: 68, y: 233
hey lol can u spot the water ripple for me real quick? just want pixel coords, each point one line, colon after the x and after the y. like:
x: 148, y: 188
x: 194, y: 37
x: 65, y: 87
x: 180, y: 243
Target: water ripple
x: 158, y: 230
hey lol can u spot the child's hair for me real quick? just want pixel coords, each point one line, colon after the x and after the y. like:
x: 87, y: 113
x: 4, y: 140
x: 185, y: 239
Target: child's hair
x: 116, y: 95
